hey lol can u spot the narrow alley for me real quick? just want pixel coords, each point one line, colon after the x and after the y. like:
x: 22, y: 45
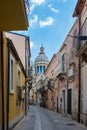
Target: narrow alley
x: 42, y: 119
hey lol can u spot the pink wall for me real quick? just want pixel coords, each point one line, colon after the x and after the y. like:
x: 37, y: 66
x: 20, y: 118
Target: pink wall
x: 49, y: 73
x: 19, y: 43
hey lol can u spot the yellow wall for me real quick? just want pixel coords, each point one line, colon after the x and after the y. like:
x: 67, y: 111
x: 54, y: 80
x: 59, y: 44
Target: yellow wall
x: 13, y: 111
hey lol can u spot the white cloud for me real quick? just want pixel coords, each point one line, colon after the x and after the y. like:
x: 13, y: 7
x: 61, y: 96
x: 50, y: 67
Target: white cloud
x: 33, y: 22
x: 31, y: 44
x: 37, y: 2
x: 32, y: 8
x: 53, y: 9
x: 48, y: 22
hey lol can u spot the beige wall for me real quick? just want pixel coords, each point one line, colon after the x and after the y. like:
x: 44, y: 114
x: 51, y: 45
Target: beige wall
x: 73, y: 83
x: 84, y: 87
x: 84, y: 13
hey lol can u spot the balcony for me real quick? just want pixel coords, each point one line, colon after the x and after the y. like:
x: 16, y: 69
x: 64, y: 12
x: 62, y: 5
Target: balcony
x: 51, y: 84
x: 13, y: 15
x: 39, y: 88
x: 82, y: 52
x: 61, y: 71
x: 43, y: 90
x: 30, y: 85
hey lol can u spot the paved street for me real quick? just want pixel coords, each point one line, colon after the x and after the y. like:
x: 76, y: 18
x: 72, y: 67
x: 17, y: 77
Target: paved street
x: 43, y: 119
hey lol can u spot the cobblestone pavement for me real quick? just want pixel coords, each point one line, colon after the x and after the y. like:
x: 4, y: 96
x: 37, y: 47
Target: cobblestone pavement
x: 43, y: 119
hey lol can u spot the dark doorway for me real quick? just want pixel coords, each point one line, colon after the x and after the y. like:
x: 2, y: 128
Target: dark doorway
x: 57, y: 104
x: 63, y: 101
x: 70, y: 101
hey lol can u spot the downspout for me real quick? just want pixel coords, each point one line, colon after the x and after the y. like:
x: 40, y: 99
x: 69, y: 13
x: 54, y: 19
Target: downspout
x: 7, y: 112
x: 2, y: 79
x: 25, y: 82
x: 79, y: 89
x: 25, y: 96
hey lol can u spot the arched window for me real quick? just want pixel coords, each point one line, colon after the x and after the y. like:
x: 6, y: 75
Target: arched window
x: 40, y: 69
x: 37, y: 69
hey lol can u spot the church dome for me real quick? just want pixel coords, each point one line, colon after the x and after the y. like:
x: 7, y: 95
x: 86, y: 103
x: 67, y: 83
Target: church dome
x: 41, y: 57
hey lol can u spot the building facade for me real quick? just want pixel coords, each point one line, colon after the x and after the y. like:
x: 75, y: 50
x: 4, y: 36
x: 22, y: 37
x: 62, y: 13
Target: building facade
x: 16, y: 15
x: 49, y: 77
x: 81, y: 13
x: 62, y: 79
x: 40, y: 64
x: 23, y: 42
x: 12, y: 94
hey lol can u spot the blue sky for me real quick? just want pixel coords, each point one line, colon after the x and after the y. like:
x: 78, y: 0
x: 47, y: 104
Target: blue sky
x: 49, y: 23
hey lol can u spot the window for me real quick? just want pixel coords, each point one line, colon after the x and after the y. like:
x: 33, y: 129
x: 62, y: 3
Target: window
x: 75, y: 40
x: 40, y: 69
x: 71, y: 71
x: 19, y: 91
x: 63, y: 62
x: 19, y: 97
x: 19, y: 76
x: 37, y: 69
x: 11, y: 74
x: 19, y: 94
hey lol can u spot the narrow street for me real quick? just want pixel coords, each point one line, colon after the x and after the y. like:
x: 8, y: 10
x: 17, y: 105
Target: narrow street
x: 43, y: 119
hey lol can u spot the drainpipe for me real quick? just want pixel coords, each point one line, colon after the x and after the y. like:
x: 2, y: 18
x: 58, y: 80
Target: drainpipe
x: 2, y: 79
x: 7, y: 110
x: 25, y: 97
x: 79, y: 92
x: 79, y: 89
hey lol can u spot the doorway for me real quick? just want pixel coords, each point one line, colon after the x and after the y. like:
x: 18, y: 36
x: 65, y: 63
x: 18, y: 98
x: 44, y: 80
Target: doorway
x: 63, y: 100
x: 69, y: 101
